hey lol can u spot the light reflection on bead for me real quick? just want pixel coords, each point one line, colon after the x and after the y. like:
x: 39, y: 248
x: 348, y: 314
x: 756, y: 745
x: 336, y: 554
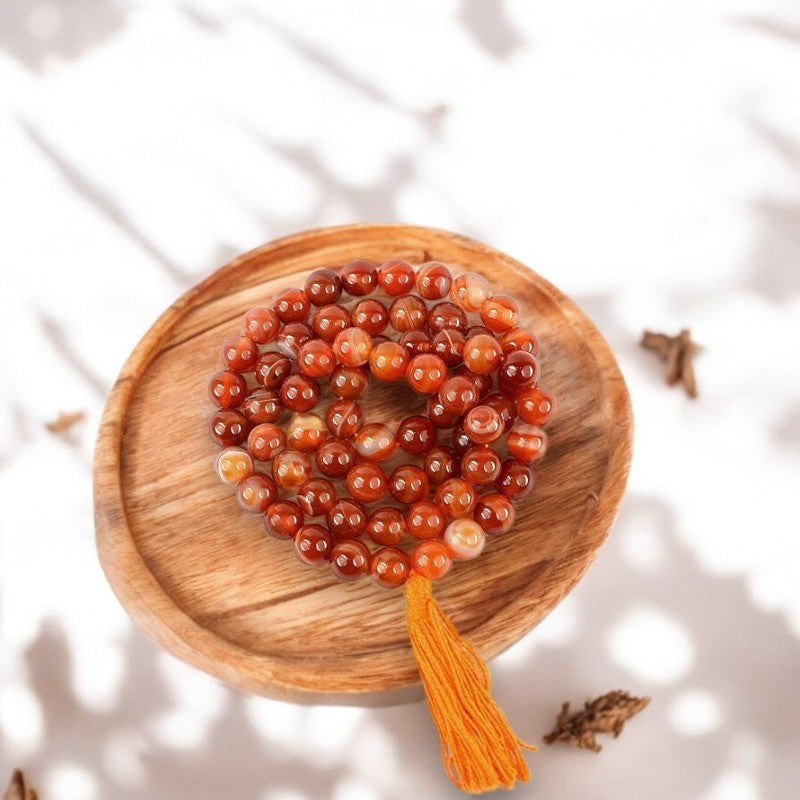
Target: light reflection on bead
x: 464, y: 538
x: 313, y: 544
x: 386, y: 526
x: 350, y: 560
x: 527, y: 443
x: 431, y: 559
x: 233, y: 464
x: 390, y: 567
x: 266, y: 441
x: 352, y: 347
x: 470, y: 291
x: 456, y: 497
x: 256, y: 492
x: 291, y: 469
x: 375, y: 442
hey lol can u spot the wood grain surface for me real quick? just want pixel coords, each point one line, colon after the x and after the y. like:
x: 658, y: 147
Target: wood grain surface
x: 200, y: 576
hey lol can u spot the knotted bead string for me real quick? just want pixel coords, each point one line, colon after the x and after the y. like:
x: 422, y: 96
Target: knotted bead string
x: 445, y: 508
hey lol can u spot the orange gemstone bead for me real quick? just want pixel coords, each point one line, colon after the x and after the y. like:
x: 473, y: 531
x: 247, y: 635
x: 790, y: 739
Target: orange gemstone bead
x: 348, y: 382
x: 261, y: 325
x: 408, y: 484
x: 494, y: 513
x: 470, y: 291
x: 350, y: 560
x: 306, y: 432
x: 299, y: 393
x: 346, y: 519
x: 482, y: 354
x: 291, y: 469
x: 371, y: 316
x: 425, y: 520
x: 367, y: 482
x: 240, y: 353
x: 416, y: 343
x: 431, y: 560
x: 272, y: 370
x: 426, y: 373
x: 390, y: 567
x: 515, y: 479
x: 438, y: 414
x: 335, y: 457
x: 458, y: 394
x: 359, y: 277
x: 283, y: 519
x: 396, y: 277
x: 535, y: 406
x: 316, y: 497
x: 416, y: 435
x: 388, y: 361
x: 386, y: 526
x: 265, y: 441
x: 519, y: 339
x: 323, y: 287
x: 504, y: 405
x: 262, y: 405
x: 446, y: 315
x: 256, y: 493
x: 227, y: 389
x: 234, y: 464
x: 483, y: 424
x: 456, y: 497
x: 527, y: 443
x: 480, y: 465
x: 499, y: 313
x: 440, y: 464
x: 375, y: 442
x: 228, y: 427
x: 448, y: 344
x: 519, y: 371
x: 344, y: 418
x: 316, y: 358
x: 352, y: 347
x: 291, y: 305
x: 433, y: 281
x: 408, y: 313
x: 464, y: 538
x: 330, y: 320
x: 292, y: 337
x: 313, y: 544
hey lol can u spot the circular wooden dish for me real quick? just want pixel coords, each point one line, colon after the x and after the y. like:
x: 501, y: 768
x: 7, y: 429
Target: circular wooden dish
x: 201, y: 577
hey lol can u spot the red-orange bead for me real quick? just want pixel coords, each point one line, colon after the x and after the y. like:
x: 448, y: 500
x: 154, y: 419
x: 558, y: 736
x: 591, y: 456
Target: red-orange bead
x: 291, y: 469
x: 227, y: 389
x: 352, y: 347
x: 456, y: 497
x: 344, y: 418
x: 371, y: 316
x: 265, y: 441
x: 359, y: 277
x: 480, y: 464
x: 482, y: 354
x: 291, y: 305
x: 448, y: 344
x: 433, y: 281
x: 386, y: 526
x: 306, y: 432
x: 348, y: 382
x: 330, y: 320
x: 527, y: 443
x: 323, y: 286
x: 494, y: 513
x: 335, y: 457
x: 229, y: 427
x: 299, y: 393
x: 390, y: 567
x: 316, y: 359
x: 316, y: 497
x: 499, y: 313
x: 240, y: 353
x: 261, y: 325
x: 440, y: 464
x: 408, y: 484
x: 458, y: 394
x: 461, y: 441
x: 483, y: 424
x: 438, y: 414
x: 535, y: 406
x: 416, y: 435
x: 504, y: 405
x: 262, y: 405
x: 367, y: 482
x: 416, y: 343
x: 396, y: 277
x: 446, y: 315
x: 256, y: 493
x: 272, y: 370
x: 484, y: 383
x: 388, y: 361
x: 426, y: 373
x: 519, y: 339
x: 283, y: 519
x: 346, y: 519
x: 515, y: 479
x: 350, y: 560
x: 519, y: 371
x: 375, y: 442
x: 431, y: 560
x: 292, y: 337
x: 470, y: 291
x: 408, y: 313
x: 425, y: 520
x: 313, y: 544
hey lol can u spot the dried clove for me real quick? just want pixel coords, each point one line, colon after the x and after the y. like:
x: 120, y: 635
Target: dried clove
x: 678, y: 351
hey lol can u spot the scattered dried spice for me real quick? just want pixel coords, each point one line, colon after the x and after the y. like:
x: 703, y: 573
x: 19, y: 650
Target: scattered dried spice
x: 678, y: 351
x: 63, y: 422
x: 18, y: 789
x: 606, y: 714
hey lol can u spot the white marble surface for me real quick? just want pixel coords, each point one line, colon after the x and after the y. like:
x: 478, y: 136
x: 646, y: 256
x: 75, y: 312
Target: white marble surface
x: 643, y: 156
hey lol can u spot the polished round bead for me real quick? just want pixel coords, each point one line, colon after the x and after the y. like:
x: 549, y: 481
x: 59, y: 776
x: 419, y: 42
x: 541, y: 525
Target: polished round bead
x: 291, y: 305
x: 375, y: 442
x: 367, y: 482
x: 313, y: 544
x: 352, y: 347
x: 519, y: 339
x: 448, y: 344
x: 261, y: 325
x: 499, y: 313
x: 272, y: 369
x: 350, y: 560
x: 335, y: 457
x: 396, y: 277
x: 431, y: 560
x: 484, y: 383
x: 458, y: 394
x: 348, y: 382
x: 388, y: 361
x: 316, y: 497
x: 433, y: 281
x: 359, y: 277
x: 291, y: 469
x: 408, y: 313
x: 416, y: 434
x: 229, y: 427
x: 426, y: 373
x: 292, y: 337
x: 316, y: 359
x: 344, y: 418
x: 330, y: 320
x: 461, y: 440
x: 299, y: 393
x: 416, y: 343
x: 456, y: 497
x: 483, y: 424
x: 464, y: 538
x: 262, y: 405
x: 446, y: 315
x: 386, y: 526
x: 346, y: 519
x: 371, y: 316
x: 233, y: 464
x: 323, y: 287
x: 519, y: 371
x: 265, y: 441
x: 306, y: 432
x: 470, y: 291
x: 240, y: 353
x: 440, y: 464
x: 482, y: 354
x: 424, y: 520
x: 283, y: 519
x: 535, y: 406
x: 527, y: 443
x: 480, y: 464
x: 504, y: 405
x: 408, y: 484
x: 515, y: 479
x: 256, y: 493
x: 390, y: 567
x: 227, y: 389
x: 438, y: 414
x: 494, y: 513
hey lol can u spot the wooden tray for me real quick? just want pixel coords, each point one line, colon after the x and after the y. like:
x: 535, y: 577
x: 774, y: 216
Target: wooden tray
x: 201, y: 577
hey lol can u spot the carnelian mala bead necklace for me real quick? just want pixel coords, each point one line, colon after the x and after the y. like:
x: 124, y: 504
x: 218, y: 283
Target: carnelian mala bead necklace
x: 318, y: 480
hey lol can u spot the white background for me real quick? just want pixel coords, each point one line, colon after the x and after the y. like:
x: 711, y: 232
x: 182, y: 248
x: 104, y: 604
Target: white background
x: 645, y: 157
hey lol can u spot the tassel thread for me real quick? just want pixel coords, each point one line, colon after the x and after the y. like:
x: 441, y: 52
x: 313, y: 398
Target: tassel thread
x: 480, y: 752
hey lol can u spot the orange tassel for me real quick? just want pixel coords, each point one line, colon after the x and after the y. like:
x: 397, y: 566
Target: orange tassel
x: 479, y: 750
